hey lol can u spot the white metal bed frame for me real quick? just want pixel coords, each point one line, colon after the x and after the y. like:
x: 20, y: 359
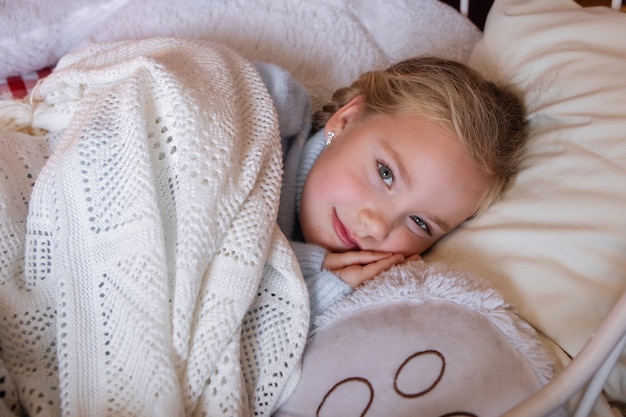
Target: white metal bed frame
x: 586, y: 373
x: 464, y: 6
x: 589, y: 370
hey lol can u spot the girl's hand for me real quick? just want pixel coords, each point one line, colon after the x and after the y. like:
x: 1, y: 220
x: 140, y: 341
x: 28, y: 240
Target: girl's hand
x: 356, y: 267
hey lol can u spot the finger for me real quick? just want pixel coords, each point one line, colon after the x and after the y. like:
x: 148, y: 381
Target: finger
x: 376, y: 268
x: 415, y: 257
x: 371, y: 270
x: 334, y: 261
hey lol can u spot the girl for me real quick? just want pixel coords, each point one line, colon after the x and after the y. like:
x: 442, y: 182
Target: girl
x: 398, y: 160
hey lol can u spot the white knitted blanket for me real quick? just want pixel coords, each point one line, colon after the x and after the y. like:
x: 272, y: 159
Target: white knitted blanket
x: 142, y: 272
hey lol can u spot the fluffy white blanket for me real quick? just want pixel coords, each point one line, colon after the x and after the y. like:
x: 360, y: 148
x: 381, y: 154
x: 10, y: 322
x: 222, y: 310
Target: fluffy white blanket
x: 144, y: 274
x: 324, y: 44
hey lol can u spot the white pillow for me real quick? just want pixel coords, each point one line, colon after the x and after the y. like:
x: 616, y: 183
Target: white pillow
x: 556, y: 245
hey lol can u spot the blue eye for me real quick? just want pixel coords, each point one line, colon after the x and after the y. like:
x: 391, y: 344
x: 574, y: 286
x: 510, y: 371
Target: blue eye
x: 420, y: 223
x: 385, y: 173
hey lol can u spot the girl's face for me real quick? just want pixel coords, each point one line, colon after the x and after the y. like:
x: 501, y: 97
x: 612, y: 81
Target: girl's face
x: 389, y: 183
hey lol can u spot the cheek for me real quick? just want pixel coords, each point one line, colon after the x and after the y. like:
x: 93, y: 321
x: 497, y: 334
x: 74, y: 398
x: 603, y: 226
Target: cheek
x: 315, y: 192
x: 331, y: 182
x: 316, y: 200
x: 406, y: 243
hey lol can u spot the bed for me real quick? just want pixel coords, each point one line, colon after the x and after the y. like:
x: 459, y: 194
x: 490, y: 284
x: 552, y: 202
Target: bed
x: 547, y: 262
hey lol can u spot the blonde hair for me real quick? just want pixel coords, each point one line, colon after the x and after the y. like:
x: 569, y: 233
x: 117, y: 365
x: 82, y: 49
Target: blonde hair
x: 489, y: 120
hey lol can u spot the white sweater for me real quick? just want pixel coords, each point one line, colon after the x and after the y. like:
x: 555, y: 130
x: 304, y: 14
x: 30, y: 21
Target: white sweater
x: 300, y: 153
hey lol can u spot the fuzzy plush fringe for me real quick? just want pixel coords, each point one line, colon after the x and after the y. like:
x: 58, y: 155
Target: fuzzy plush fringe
x: 418, y: 282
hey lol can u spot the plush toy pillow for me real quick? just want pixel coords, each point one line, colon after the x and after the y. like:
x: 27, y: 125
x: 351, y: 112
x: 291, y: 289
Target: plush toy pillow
x: 556, y: 246
x: 419, y: 340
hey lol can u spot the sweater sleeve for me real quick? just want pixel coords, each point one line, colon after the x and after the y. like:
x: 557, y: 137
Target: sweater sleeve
x: 325, y: 288
x: 291, y: 100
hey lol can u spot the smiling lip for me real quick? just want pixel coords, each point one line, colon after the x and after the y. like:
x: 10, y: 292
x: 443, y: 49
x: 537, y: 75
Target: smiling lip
x: 343, y: 234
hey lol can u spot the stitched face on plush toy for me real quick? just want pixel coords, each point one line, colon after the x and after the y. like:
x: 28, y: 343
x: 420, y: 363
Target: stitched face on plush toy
x: 419, y: 374
x: 405, y: 359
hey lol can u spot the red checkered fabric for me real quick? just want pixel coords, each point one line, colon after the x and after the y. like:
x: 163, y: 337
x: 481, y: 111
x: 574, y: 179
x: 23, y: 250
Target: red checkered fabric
x: 19, y: 86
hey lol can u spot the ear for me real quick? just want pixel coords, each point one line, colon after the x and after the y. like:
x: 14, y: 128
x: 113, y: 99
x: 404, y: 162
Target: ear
x: 347, y: 114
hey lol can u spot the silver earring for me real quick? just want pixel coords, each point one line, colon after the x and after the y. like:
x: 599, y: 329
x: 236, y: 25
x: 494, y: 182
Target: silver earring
x: 329, y: 137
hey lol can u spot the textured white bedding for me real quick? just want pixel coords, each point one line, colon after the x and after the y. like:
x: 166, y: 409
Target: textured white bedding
x: 325, y: 44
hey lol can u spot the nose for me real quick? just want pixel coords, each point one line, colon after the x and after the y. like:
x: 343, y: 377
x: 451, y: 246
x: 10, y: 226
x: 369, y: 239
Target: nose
x: 375, y: 224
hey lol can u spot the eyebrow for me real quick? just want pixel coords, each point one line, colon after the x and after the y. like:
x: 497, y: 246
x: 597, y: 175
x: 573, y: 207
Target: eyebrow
x: 404, y: 175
